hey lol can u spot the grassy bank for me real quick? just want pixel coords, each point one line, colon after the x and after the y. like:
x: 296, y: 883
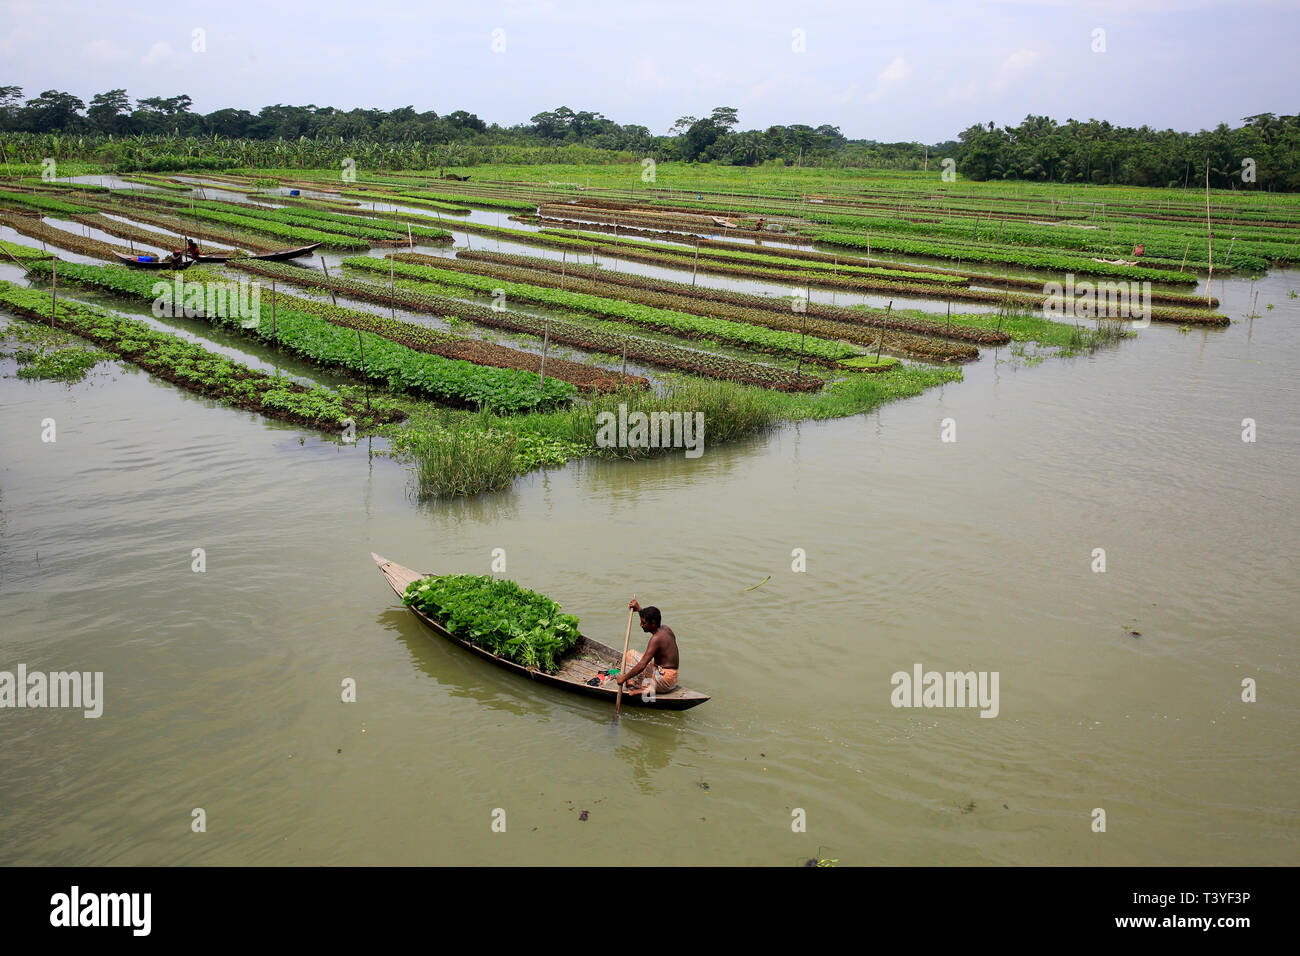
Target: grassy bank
x: 456, y: 453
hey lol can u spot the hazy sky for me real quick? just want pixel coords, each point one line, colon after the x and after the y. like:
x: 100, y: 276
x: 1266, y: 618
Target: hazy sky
x: 889, y: 71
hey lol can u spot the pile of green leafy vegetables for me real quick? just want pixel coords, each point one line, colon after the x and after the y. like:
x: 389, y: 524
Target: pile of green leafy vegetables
x: 499, y: 616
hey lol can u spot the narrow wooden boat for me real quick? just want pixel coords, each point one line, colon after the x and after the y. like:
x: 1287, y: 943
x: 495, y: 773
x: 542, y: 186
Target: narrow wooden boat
x: 158, y: 263
x: 581, y: 664
x: 287, y: 254
x: 214, y: 257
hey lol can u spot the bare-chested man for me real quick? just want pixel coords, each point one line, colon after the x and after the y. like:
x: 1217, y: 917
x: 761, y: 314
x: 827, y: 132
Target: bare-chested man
x: 661, y: 653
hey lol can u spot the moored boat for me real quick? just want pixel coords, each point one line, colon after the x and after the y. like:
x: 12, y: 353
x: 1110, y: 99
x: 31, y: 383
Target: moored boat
x: 286, y: 254
x: 585, y: 662
x: 153, y: 262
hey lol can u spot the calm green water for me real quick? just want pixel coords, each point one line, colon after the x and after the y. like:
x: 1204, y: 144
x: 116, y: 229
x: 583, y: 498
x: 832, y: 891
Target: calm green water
x: 223, y: 687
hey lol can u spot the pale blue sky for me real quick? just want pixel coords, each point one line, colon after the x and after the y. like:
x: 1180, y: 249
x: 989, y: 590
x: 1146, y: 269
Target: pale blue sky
x: 887, y: 71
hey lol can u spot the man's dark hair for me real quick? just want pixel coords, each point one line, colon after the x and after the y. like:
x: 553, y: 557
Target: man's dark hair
x: 650, y: 615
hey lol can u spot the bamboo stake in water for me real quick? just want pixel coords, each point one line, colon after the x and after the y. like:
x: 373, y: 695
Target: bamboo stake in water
x: 365, y: 380
x: 697, y: 263
x: 275, y: 338
x: 625, y: 359
x: 1209, y: 237
x: 326, y: 269
x: 54, y: 288
x: 546, y: 341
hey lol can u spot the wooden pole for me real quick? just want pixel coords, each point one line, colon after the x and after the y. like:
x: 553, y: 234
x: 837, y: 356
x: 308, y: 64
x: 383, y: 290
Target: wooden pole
x: 546, y: 341
x: 275, y: 338
x: 622, y: 661
x: 1185, y: 249
x: 696, y: 266
x: 625, y: 356
x: 880, y: 341
x: 1209, y: 237
x: 365, y: 379
x: 54, y: 288
x: 333, y: 298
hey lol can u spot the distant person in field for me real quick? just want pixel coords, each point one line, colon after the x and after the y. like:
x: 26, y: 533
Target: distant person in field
x: 192, y: 248
x: 1137, y: 250
x: 661, y: 652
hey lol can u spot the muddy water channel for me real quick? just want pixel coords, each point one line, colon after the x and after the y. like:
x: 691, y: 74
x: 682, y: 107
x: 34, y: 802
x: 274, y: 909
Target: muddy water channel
x: 1119, y: 690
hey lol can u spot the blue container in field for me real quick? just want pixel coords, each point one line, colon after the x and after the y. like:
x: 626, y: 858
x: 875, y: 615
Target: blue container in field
x: 293, y: 192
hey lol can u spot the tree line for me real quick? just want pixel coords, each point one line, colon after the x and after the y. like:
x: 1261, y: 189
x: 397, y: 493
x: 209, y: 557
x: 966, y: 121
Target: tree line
x: 1262, y: 153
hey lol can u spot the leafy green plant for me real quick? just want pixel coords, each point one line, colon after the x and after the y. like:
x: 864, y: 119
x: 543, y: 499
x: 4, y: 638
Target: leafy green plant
x: 499, y: 616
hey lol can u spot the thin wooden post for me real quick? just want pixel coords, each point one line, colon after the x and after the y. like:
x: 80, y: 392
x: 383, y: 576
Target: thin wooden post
x: 333, y: 298
x: 365, y: 380
x: 696, y: 266
x: 54, y: 288
x: 275, y: 338
x: 803, y: 331
x: 1209, y: 238
x: 625, y: 358
x: 546, y: 341
x: 1185, y: 249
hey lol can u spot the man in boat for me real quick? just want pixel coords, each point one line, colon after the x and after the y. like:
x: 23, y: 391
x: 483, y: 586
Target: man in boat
x: 177, y: 258
x: 192, y: 248
x: 661, y: 653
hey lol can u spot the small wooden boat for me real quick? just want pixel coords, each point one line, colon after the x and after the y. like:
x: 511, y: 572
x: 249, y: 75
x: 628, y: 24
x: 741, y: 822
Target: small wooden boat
x: 156, y: 263
x: 580, y: 666
x: 213, y: 257
x: 724, y: 223
x: 286, y: 254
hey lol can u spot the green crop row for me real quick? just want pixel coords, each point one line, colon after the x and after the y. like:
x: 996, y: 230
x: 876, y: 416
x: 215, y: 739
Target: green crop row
x: 1118, y: 240
x: 332, y: 240
x: 397, y: 199
x: 19, y: 251
x: 710, y: 294
x: 43, y: 203
x: 360, y: 353
x: 786, y: 318
x: 1022, y: 257
x: 191, y: 366
x: 438, y: 300
x: 666, y: 320
x: 345, y: 225
x: 390, y: 230
x: 768, y: 260
x: 482, y: 202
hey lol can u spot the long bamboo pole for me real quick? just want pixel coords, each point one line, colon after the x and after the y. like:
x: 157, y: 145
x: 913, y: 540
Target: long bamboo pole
x: 1209, y: 236
x: 622, y: 661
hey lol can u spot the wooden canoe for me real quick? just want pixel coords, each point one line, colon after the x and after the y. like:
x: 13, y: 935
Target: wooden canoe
x: 578, y: 667
x: 286, y: 254
x: 135, y: 263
